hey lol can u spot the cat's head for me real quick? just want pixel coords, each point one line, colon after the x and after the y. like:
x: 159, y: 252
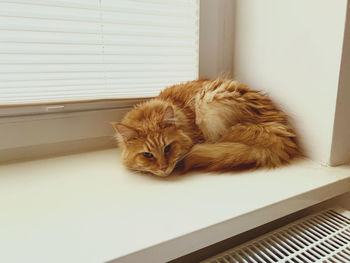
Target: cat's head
x: 152, y: 143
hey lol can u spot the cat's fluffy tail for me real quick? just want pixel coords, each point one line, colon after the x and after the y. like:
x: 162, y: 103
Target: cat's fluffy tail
x: 245, y: 145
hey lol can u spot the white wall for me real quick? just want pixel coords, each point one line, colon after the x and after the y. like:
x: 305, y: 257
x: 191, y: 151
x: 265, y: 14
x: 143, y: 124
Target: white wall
x: 293, y: 50
x: 340, y: 152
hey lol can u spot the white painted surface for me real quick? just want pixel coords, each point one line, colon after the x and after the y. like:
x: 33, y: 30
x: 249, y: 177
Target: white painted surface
x: 88, y: 208
x: 341, y: 131
x: 61, y: 127
x: 292, y: 50
x: 216, y: 38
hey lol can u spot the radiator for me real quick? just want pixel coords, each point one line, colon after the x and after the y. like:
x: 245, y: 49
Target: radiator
x: 321, y: 237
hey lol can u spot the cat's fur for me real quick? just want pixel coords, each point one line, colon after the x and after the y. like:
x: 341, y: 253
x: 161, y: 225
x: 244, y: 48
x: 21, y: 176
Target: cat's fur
x: 216, y: 125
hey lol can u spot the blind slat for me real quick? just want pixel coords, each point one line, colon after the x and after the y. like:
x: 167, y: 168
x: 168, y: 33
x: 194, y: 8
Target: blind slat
x: 46, y: 48
x: 80, y: 38
x: 6, y: 68
x: 149, y: 7
x: 11, y: 87
x: 50, y: 68
x: 56, y: 50
x: 91, y: 59
x: 87, y: 89
x: 11, y: 77
x: 51, y: 25
x: 67, y: 14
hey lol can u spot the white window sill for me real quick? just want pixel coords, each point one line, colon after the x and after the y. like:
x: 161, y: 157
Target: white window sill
x: 88, y: 208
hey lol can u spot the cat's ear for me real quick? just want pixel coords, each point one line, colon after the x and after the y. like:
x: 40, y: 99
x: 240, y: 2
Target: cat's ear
x: 126, y: 132
x: 169, y: 117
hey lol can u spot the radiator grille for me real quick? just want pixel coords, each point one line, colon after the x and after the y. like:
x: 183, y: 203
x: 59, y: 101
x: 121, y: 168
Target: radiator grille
x: 323, y: 237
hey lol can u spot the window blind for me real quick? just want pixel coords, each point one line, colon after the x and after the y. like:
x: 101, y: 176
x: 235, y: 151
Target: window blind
x: 72, y: 50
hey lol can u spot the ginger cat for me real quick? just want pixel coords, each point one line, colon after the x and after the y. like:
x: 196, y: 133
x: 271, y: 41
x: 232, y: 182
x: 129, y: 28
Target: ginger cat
x: 215, y: 125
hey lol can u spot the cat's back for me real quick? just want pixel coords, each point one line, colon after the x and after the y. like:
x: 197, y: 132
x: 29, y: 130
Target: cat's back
x: 182, y: 93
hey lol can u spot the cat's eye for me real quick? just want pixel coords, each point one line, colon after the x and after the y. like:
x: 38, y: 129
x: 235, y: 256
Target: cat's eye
x: 167, y: 148
x: 147, y: 155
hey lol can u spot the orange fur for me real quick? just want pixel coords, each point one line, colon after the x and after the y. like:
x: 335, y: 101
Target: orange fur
x: 216, y: 125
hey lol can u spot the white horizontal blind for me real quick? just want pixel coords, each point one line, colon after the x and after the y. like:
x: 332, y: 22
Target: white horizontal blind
x: 71, y: 50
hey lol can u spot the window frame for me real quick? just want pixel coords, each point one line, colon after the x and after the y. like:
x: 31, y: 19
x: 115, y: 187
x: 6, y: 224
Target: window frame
x: 30, y: 131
